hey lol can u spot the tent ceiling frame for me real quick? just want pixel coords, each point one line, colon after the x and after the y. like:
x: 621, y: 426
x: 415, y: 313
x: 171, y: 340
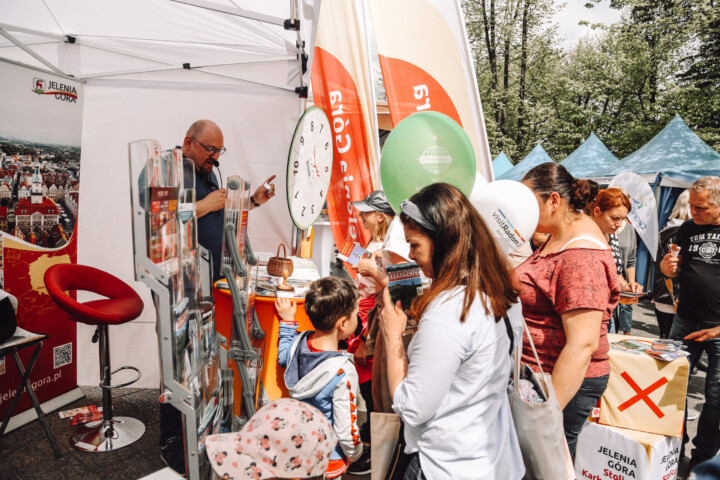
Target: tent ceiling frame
x: 237, y: 11
x: 170, y: 67
x: 38, y: 69
x: 13, y: 28
x: 30, y: 52
x: 281, y: 87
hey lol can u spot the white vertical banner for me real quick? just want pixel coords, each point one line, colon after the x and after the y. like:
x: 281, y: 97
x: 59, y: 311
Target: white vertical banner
x: 342, y: 86
x: 643, y: 215
x: 427, y: 65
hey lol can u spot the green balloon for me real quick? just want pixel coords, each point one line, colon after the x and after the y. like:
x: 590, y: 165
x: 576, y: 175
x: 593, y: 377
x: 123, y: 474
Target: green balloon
x: 426, y: 148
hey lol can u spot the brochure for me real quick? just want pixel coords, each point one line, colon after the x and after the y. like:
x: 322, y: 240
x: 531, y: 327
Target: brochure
x: 76, y: 411
x: 164, y: 235
x: 404, y: 283
x: 82, y: 418
x: 633, y: 345
x: 351, y: 252
x: 666, y: 356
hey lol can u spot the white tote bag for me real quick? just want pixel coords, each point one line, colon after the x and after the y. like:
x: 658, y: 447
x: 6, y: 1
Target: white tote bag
x: 539, y: 426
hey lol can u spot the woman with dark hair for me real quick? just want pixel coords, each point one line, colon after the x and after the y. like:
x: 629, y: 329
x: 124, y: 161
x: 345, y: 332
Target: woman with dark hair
x: 451, y: 388
x: 569, y: 290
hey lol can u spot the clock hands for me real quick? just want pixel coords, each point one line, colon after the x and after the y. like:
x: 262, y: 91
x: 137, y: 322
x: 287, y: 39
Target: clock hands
x: 317, y: 170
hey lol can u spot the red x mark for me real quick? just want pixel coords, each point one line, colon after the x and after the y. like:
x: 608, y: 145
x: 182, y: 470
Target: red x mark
x: 643, y: 395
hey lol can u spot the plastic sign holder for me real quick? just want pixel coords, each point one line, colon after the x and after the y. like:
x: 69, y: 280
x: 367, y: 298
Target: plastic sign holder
x: 236, y: 267
x: 169, y: 260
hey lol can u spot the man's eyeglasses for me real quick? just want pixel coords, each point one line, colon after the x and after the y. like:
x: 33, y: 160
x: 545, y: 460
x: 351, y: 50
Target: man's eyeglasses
x: 211, y: 150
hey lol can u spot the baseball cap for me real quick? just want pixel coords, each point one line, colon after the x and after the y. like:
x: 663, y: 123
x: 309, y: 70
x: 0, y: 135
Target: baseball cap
x: 284, y: 439
x: 374, y: 202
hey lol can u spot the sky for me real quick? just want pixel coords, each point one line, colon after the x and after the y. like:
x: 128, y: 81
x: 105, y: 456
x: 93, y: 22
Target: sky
x: 574, y: 11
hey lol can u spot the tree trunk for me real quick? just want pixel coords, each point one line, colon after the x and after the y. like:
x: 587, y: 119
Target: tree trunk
x: 489, y: 29
x: 520, y: 137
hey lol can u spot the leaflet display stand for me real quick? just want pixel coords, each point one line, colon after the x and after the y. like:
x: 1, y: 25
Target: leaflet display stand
x: 237, y: 259
x: 169, y: 260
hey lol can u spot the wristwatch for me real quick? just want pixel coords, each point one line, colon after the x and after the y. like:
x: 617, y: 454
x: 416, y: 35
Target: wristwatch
x: 253, y: 201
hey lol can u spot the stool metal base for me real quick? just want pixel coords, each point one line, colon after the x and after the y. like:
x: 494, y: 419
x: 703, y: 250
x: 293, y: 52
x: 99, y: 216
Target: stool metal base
x: 96, y: 437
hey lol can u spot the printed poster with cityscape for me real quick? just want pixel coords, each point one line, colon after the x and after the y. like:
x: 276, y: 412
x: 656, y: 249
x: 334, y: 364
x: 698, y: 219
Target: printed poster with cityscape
x: 40, y: 135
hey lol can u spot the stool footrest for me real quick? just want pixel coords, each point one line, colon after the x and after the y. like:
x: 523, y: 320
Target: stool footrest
x: 127, y: 367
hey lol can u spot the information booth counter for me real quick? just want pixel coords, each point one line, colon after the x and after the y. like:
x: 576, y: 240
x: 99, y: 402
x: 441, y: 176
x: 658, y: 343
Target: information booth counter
x: 270, y: 384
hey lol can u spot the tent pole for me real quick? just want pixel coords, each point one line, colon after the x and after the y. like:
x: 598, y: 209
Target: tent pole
x: 38, y: 69
x: 13, y: 28
x: 31, y: 53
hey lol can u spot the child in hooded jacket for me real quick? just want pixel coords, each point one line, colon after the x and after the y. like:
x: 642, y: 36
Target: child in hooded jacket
x: 316, y: 371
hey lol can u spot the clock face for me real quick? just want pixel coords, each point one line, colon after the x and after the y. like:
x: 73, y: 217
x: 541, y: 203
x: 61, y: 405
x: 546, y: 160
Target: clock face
x: 309, y: 167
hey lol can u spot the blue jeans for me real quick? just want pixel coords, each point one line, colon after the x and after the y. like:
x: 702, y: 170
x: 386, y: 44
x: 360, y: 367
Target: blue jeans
x: 707, y: 440
x: 577, y: 411
x: 624, y: 323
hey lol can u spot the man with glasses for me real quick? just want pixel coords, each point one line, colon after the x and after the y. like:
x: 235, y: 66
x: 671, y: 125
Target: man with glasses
x: 203, y: 145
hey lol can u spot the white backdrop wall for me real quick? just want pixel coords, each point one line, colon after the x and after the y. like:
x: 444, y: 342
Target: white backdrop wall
x: 257, y: 123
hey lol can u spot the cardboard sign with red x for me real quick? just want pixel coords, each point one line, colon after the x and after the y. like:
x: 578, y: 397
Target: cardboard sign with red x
x: 644, y: 394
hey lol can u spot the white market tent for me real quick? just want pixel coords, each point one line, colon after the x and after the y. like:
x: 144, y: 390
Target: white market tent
x: 150, y: 68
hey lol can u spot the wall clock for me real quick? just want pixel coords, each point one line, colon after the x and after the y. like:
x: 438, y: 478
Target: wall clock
x: 309, y: 167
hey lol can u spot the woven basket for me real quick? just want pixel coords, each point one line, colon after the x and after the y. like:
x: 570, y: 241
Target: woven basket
x: 276, y: 265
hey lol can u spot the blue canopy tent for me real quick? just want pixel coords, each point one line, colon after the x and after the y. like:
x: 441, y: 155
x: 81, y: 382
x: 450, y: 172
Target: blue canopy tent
x: 533, y: 159
x: 669, y: 162
x: 501, y: 164
x: 589, y: 157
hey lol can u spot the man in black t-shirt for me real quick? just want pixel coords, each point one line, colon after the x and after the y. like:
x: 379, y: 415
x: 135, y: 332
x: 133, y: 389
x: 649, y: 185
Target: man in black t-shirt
x: 698, y: 269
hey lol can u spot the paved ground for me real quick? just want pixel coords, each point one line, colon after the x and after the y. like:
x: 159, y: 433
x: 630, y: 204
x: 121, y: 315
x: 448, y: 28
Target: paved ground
x: 25, y: 454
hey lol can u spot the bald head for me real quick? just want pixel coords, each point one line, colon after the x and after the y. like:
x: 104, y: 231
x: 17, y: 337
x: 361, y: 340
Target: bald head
x: 201, y: 136
x: 201, y: 126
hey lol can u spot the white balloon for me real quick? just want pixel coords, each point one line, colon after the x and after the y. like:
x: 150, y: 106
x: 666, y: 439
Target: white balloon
x: 510, y: 211
x: 480, y: 183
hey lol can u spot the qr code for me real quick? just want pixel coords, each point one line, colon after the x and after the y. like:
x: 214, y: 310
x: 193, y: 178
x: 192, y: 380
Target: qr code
x: 62, y: 355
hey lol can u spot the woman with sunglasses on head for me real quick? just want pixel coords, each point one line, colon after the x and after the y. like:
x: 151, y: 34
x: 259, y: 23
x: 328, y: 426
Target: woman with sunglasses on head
x: 569, y: 290
x: 451, y: 388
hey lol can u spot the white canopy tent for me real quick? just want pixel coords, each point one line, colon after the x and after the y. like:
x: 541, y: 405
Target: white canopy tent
x: 151, y: 68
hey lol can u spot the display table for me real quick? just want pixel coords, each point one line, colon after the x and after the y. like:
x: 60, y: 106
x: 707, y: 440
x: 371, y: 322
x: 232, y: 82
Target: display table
x: 644, y: 394
x: 270, y: 384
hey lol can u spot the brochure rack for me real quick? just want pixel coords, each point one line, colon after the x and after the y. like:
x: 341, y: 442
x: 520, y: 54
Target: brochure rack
x: 169, y: 260
x: 235, y: 268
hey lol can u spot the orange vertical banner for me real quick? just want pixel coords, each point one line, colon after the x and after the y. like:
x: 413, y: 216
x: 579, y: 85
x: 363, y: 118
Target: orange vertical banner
x: 426, y: 65
x: 342, y: 86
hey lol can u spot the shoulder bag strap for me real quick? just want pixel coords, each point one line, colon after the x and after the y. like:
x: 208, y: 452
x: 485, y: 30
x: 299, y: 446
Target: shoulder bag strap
x: 518, y: 354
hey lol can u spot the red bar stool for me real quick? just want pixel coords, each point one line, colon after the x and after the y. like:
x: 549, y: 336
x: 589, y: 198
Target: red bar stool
x: 121, y: 305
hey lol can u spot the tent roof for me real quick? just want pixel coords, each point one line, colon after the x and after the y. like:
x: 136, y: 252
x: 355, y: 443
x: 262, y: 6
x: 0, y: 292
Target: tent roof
x: 674, y: 152
x: 501, y: 164
x: 187, y: 41
x: 592, y: 155
x: 536, y: 157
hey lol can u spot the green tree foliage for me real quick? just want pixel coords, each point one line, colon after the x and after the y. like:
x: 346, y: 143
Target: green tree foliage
x: 625, y: 82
